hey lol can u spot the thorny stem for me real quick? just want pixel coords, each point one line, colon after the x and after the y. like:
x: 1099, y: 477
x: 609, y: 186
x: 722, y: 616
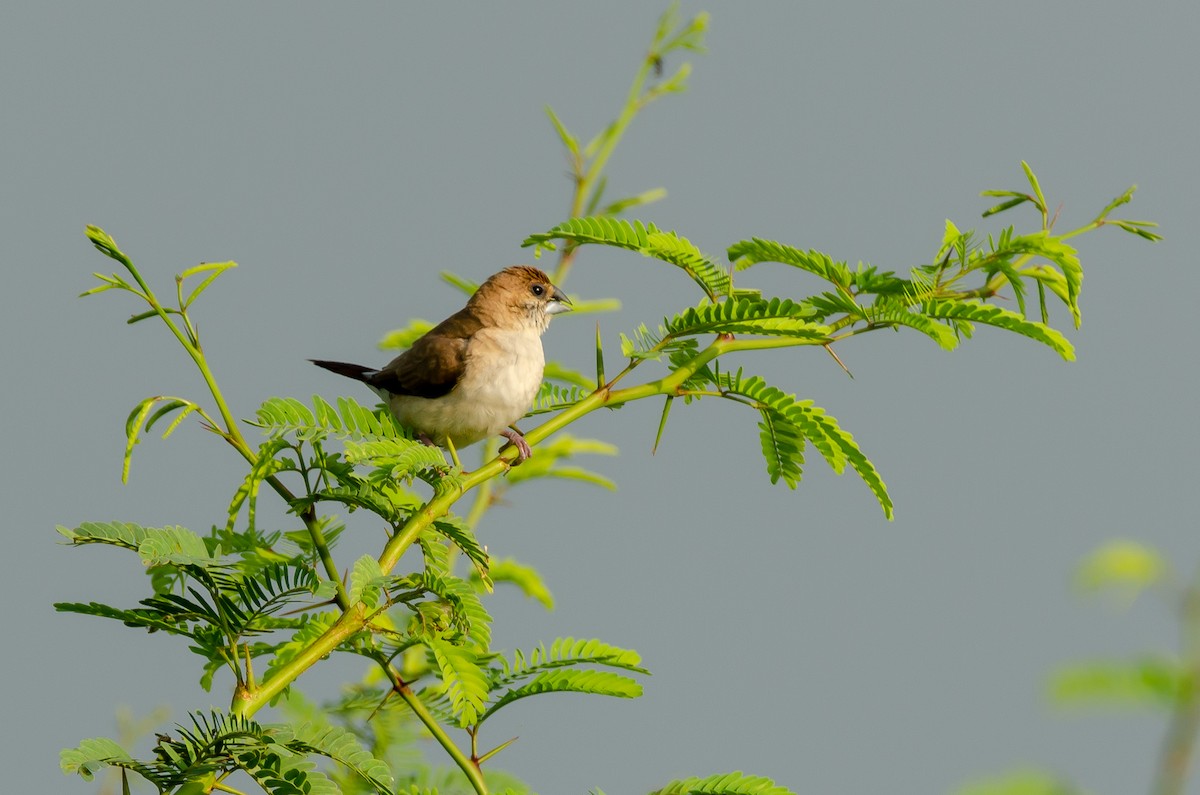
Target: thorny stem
x: 468, y: 764
x: 231, y: 432
x: 586, y: 178
x: 1175, y: 760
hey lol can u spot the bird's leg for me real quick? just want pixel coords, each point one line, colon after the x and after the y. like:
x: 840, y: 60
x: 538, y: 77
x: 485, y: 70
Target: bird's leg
x: 513, y: 434
x: 453, y: 452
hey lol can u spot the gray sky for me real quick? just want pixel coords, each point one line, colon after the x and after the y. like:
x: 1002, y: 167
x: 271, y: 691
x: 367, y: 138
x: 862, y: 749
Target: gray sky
x: 345, y: 155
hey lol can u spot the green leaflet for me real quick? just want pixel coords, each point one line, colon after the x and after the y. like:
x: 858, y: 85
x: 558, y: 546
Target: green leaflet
x: 600, y: 683
x: 553, y: 397
x: 458, y: 602
x: 746, y: 253
x: 786, y: 420
x: 120, y: 534
x: 370, y: 437
x: 173, y: 545
x: 141, y: 417
x: 403, y: 338
x: 566, y: 652
x: 735, y: 783
x: 219, y: 607
x: 464, y: 679
x: 1155, y: 682
x: 548, y: 461
x: 526, y: 578
x: 776, y: 317
x: 94, y: 754
x: 150, y: 620
x: 277, y: 757
x: 366, y: 580
x: 888, y: 311
x: 555, y: 371
x: 1126, y: 567
x: 783, y: 448
x: 646, y: 344
x: 462, y: 537
x: 288, y: 774
x: 266, y: 465
x: 339, y: 745
x: 543, y: 671
x: 90, y: 756
x: 361, y: 495
x: 646, y: 239
x: 1002, y: 318
x: 1022, y: 782
x: 399, y: 455
x: 348, y: 420
x: 1064, y: 256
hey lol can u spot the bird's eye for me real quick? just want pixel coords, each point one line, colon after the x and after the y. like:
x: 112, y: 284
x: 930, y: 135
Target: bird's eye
x: 537, y: 290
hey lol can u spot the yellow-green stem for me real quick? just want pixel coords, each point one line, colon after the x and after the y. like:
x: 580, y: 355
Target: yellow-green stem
x: 233, y: 435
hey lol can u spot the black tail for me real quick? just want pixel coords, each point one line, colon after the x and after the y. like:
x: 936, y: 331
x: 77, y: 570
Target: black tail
x: 355, y: 371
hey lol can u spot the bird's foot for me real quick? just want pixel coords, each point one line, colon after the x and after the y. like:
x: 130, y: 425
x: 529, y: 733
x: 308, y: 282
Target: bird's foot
x: 518, y: 441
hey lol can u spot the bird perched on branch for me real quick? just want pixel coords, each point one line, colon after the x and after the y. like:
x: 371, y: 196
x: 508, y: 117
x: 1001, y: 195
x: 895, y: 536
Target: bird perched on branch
x: 477, y: 372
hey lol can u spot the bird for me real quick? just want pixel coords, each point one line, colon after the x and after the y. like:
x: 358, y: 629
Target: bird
x: 477, y: 372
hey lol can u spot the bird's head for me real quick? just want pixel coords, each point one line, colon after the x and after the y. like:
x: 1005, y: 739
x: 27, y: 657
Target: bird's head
x: 520, y: 297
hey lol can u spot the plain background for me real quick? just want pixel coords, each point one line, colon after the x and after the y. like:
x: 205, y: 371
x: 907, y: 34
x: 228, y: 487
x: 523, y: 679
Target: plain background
x: 344, y: 155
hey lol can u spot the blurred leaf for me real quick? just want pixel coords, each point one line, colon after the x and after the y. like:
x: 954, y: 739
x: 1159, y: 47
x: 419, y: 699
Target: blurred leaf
x: 557, y: 372
x: 551, y: 454
x: 1126, y: 566
x: 526, y: 578
x: 645, y: 197
x: 1023, y: 782
x: 403, y: 338
x: 580, y: 306
x: 365, y: 580
x: 467, y: 286
x: 1150, y: 682
x: 736, y: 783
x: 568, y: 140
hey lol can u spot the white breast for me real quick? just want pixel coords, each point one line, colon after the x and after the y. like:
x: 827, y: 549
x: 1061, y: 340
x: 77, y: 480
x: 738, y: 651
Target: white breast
x: 502, y: 375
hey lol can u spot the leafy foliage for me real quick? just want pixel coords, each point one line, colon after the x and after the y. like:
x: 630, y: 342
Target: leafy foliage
x: 1156, y: 682
x: 646, y: 239
x: 217, y: 744
x: 727, y: 784
x: 788, y: 424
x: 526, y: 578
x: 777, y: 317
x: 1023, y: 782
x: 1001, y: 318
x: 463, y: 678
x: 247, y: 592
x: 219, y: 605
x: 542, y: 671
x: 1127, y: 567
x: 599, y: 683
x: 348, y: 420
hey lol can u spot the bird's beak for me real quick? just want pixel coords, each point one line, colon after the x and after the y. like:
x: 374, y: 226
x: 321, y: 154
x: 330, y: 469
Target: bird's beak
x: 558, y: 303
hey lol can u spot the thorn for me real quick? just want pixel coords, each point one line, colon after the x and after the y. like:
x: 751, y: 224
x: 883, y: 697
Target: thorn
x: 375, y: 711
x: 829, y: 349
x: 495, y: 751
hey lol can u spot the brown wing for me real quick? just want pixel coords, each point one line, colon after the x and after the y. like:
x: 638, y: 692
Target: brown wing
x: 434, y: 363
